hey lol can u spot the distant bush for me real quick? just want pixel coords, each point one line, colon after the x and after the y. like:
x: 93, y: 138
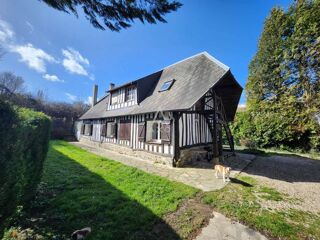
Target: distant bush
x: 24, y: 138
x: 277, y: 129
x: 243, y: 130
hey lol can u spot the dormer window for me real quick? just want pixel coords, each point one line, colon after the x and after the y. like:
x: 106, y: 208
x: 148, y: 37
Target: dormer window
x: 114, y: 97
x: 130, y: 93
x: 166, y: 85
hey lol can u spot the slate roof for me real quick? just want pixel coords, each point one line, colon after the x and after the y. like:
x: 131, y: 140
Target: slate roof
x: 193, y: 76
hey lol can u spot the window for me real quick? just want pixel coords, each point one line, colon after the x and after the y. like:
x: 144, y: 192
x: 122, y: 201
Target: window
x: 130, y: 92
x: 166, y: 85
x: 158, y: 131
x: 114, y: 97
x: 88, y: 129
x: 124, y: 130
x: 111, y: 129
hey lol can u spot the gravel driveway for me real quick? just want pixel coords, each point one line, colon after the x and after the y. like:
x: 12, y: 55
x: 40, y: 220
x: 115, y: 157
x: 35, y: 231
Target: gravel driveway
x: 295, y: 176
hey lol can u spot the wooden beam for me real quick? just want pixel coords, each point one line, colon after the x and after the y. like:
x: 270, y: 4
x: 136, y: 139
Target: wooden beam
x: 204, y: 112
x: 215, y: 149
x: 176, y: 156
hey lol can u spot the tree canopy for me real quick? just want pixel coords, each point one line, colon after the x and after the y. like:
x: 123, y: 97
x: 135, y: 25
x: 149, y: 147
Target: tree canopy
x: 283, y: 88
x: 117, y: 14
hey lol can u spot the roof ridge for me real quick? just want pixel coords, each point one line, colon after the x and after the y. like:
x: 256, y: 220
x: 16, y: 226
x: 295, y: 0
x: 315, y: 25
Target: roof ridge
x: 225, y: 67
x: 205, y: 53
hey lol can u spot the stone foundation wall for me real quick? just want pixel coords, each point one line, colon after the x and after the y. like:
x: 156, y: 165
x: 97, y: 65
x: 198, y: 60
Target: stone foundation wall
x: 190, y: 155
x: 152, y: 157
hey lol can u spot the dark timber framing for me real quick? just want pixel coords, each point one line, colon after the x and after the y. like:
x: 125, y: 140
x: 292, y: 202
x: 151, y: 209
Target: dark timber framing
x: 193, y: 113
x: 216, y: 119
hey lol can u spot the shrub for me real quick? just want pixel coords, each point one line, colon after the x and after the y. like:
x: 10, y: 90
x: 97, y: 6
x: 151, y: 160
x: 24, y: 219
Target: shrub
x: 243, y: 129
x: 247, y: 143
x: 24, y: 138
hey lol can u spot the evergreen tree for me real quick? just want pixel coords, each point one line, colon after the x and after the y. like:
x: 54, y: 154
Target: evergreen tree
x: 283, y: 84
x: 117, y: 14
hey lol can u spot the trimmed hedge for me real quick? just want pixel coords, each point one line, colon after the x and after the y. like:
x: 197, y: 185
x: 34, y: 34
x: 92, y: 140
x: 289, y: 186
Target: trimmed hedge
x: 24, y: 141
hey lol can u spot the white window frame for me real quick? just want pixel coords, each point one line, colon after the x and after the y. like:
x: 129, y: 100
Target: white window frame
x: 114, y: 97
x: 150, y: 140
x: 108, y: 128
x: 130, y: 93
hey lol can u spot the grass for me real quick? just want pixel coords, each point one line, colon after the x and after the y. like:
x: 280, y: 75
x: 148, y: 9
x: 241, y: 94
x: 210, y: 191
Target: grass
x: 241, y: 200
x: 80, y: 189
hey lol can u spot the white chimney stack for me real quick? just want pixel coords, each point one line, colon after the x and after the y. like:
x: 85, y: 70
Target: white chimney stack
x: 111, y: 86
x: 95, y: 95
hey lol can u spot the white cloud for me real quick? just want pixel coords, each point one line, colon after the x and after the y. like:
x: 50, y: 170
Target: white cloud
x: 71, y: 97
x: 242, y: 105
x: 52, y: 78
x: 30, y: 26
x: 92, y: 77
x: 6, y: 33
x: 35, y: 58
x: 74, y: 62
x: 89, y: 100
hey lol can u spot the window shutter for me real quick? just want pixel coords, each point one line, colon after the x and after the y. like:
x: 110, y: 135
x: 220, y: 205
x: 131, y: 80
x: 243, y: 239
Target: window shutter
x: 125, y: 130
x: 82, y: 129
x: 165, y: 131
x: 91, y: 129
x: 87, y: 129
x: 114, y: 131
x: 142, y: 131
x: 103, y: 130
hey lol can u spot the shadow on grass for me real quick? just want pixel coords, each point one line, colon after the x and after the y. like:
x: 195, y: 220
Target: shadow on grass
x: 72, y: 197
x: 238, y: 181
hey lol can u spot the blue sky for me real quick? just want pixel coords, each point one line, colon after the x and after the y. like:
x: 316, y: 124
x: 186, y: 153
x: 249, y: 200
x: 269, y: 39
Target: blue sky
x: 64, y: 55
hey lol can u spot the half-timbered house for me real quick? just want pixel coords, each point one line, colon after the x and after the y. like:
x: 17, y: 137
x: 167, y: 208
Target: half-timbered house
x: 173, y: 116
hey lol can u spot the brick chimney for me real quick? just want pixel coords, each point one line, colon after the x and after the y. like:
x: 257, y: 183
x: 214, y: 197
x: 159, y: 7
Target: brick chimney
x: 94, y: 95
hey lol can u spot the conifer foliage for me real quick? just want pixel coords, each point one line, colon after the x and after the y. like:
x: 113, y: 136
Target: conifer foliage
x: 117, y: 14
x: 283, y: 88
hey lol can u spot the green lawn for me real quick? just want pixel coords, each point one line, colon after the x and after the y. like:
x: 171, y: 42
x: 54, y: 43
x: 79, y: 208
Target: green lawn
x: 240, y: 200
x: 80, y: 189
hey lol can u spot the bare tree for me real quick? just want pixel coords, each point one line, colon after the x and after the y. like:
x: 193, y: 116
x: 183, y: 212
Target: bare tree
x: 41, y: 96
x: 10, y: 83
x: 80, y: 108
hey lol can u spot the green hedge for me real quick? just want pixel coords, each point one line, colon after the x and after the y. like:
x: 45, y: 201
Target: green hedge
x: 278, y: 129
x: 24, y: 140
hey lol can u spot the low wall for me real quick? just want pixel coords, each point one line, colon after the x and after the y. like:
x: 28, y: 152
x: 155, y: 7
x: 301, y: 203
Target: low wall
x: 152, y: 157
x: 190, y: 155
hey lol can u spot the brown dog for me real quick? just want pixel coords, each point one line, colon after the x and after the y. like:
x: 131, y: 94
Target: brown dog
x: 222, y: 170
x: 80, y: 234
